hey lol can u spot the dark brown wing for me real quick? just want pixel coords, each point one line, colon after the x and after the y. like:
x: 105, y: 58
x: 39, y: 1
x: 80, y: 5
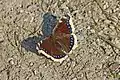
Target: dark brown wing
x: 62, y: 34
x: 63, y: 27
x: 57, y: 48
x: 67, y: 43
x: 52, y: 48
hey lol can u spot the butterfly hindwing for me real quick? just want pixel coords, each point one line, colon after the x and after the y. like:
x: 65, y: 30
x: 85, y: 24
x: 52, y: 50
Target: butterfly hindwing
x: 51, y: 48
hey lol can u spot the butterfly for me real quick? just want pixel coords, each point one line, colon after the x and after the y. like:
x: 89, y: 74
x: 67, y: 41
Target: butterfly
x: 61, y: 42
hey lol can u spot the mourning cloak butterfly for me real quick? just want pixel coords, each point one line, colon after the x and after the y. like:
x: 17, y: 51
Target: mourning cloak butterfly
x: 61, y: 42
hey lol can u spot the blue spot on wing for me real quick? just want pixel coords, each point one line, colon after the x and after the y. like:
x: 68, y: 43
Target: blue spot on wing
x: 71, y: 42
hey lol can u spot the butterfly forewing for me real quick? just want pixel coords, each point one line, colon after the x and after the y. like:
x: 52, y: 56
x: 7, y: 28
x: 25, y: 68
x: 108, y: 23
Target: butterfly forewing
x: 63, y: 27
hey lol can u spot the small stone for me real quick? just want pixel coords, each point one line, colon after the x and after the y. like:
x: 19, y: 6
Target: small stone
x: 74, y: 79
x: 11, y: 61
x: 31, y: 64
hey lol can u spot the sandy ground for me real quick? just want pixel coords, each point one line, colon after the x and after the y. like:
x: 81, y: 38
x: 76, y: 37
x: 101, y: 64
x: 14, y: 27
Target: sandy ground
x: 97, y: 27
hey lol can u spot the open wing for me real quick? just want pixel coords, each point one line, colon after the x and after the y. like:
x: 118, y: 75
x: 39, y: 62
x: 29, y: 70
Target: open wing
x: 59, y: 43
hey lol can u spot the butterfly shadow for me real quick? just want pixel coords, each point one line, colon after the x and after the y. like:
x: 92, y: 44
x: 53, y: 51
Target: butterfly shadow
x: 30, y: 43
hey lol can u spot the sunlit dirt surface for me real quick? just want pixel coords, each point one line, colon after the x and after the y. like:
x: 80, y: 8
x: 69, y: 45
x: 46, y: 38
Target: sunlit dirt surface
x: 97, y: 27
